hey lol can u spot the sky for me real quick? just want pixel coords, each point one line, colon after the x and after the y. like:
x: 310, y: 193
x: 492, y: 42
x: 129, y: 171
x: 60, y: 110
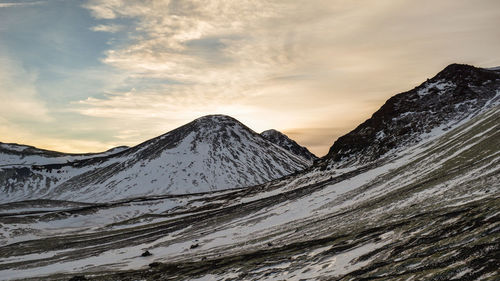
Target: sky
x: 86, y: 76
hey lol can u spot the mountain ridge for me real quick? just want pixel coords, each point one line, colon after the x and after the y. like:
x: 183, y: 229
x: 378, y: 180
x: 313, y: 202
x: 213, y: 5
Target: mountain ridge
x: 210, y: 153
x: 427, y: 209
x: 284, y: 141
x: 457, y: 92
x: 20, y: 154
x: 431, y: 212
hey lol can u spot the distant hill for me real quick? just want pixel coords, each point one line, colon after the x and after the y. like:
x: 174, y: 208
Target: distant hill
x: 284, y: 141
x: 211, y: 153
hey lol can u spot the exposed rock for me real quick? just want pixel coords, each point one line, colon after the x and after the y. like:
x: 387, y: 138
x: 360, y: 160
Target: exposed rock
x: 78, y: 278
x: 456, y: 93
x: 154, y: 264
x: 285, y: 142
x: 146, y: 254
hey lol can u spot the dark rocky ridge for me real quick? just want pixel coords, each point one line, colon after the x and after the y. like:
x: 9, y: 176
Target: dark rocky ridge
x: 455, y: 93
x: 284, y: 141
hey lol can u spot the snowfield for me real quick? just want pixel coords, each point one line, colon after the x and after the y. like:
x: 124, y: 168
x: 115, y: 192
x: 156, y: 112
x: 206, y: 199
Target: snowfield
x: 343, y: 222
x: 393, y: 200
x: 211, y: 153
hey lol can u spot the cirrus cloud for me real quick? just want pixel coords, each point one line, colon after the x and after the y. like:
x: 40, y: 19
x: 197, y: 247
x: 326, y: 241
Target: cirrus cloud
x: 292, y: 64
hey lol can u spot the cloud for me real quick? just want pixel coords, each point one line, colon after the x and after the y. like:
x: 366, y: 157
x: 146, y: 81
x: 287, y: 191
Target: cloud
x: 214, y: 55
x: 281, y: 64
x: 112, y: 28
x: 20, y: 100
x: 170, y: 34
x: 213, y: 51
x: 20, y: 4
x: 26, y: 119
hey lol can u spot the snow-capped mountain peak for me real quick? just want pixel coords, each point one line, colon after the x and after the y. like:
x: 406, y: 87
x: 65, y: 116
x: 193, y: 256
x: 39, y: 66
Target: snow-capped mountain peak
x: 284, y: 141
x: 210, y: 153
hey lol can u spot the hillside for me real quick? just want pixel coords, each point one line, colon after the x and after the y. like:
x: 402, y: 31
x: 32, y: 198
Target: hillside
x: 428, y: 210
x: 285, y: 142
x: 211, y: 153
x: 455, y: 94
x: 19, y: 155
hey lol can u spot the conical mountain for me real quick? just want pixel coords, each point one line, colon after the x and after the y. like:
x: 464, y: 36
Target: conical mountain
x: 210, y: 153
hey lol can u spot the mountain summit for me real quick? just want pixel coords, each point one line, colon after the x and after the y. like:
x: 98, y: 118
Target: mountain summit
x: 284, y: 141
x: 210, y: 153
x: 455, y: 94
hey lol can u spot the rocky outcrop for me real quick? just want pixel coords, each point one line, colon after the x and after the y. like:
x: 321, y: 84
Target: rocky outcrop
x: 454, y: 94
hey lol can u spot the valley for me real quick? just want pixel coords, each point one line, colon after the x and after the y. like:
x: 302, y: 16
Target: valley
x: 424, y: 207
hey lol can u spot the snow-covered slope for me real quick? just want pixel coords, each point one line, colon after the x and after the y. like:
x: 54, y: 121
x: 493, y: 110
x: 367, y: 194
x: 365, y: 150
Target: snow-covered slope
x: 455, y: 94
x: 23, y: 155
x: 211, y: 153
x: 284, y: 141
x: 430, y: 212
